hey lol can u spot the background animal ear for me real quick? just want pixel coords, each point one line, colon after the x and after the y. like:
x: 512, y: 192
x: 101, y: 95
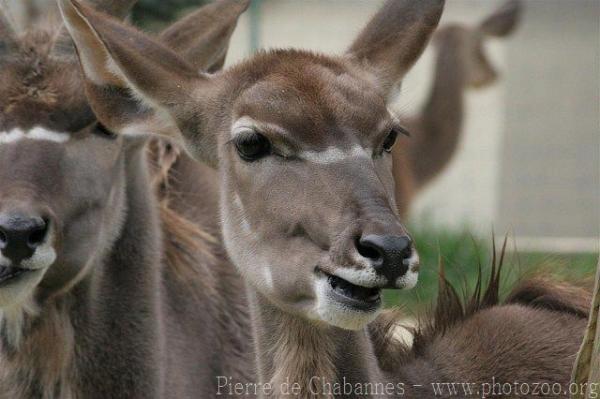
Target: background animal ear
x: 202, y: 38
x: 135, y: 85
x: 504, y: 20
x: 395, y: 38
x: 63, y: 45
x: 8, y: 40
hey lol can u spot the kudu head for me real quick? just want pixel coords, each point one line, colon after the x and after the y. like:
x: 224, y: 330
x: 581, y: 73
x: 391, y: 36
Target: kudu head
x: 302, y: 143
x: 469, y: 42
x: 62, y: 173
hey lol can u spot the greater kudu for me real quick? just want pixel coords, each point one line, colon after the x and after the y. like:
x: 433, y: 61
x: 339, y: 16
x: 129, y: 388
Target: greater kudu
x: 104, y: 291
x: 302, y: 141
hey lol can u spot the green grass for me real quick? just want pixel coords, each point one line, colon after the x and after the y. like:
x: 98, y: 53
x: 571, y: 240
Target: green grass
x: 461, y: 252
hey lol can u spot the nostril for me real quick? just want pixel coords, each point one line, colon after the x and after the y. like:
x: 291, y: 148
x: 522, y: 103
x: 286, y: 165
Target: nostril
x: 405, y: 247
x: 385, y: 248
x: 368, y: 249
x: 407, y: 253
x: 3, y: 239
x: 37, y: 235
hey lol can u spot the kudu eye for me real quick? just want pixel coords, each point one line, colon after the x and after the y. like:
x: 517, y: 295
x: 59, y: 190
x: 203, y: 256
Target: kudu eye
x: 103, y: 131
x: 252, y: 146
x: 389, y: 141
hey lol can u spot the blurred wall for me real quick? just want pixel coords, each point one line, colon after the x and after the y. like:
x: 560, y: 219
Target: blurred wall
x: 550, y: 179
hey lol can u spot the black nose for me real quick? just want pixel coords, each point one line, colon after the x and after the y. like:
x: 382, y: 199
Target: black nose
x: 20, y: 235
x: 387, y: 253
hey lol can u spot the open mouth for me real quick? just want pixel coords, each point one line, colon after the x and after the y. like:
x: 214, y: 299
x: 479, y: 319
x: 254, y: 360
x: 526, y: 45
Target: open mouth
x: 362, y: 298
x: 8, y: 273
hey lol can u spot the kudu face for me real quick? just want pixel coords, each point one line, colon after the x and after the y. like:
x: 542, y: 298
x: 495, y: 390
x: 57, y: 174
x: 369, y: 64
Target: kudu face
x: 61, y: 174
x: 301, y: 141
x: 469, y: 42
x: 308, y: 206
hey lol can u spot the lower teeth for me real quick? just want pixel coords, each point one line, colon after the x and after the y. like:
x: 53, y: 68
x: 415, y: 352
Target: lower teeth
x: 347, y: 289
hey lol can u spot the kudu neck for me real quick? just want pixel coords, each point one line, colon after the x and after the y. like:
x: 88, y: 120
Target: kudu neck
x: 130, y: 254
x: 329, y: 362
x: 135, y: 256
x: 318, y: 358
x: 449, y: 82
x: 439, y: 123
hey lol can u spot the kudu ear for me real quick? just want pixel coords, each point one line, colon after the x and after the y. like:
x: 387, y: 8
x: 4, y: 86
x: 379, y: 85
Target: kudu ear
x: 135, y: 85
x: 8, y: 39
x: 395, y: 38
x: 202, y: 38
x: 504, y: 20
x: 63, y: 45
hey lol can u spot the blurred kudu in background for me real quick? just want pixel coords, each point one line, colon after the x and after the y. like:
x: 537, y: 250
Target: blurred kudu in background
x: 461, y: 63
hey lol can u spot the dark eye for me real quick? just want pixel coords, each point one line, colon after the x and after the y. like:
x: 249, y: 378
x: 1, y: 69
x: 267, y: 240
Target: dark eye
x: 102, y: 131
x: 252, y: 146
x: 389, y: 141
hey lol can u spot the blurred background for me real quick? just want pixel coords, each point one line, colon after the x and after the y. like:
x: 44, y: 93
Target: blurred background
x: 528, y: 159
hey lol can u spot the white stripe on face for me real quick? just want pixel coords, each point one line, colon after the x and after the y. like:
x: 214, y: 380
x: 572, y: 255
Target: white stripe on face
x: 334, y: 154
x: 245, y: 124
x: 330, y: 155
x: 37, y: 133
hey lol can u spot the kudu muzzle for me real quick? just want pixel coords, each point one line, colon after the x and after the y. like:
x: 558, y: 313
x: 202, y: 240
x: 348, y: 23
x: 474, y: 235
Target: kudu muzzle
x: 382, y: 240
x: 22, y: 232
x: 389, y: 255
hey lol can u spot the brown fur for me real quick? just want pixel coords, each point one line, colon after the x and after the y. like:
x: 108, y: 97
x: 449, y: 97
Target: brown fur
x: 451, y: 310
x: 299, y: 351
x: 47, y: 373
x: 185, y: 242
x: 553, y: 295
x: 34, y: 81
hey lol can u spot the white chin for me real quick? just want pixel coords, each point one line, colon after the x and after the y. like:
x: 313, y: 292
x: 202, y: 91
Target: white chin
x: 14, y: 293
x: 336, y: 313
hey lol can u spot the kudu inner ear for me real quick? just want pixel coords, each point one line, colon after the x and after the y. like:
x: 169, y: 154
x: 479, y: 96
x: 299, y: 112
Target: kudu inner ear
x: 63, y: 45
x: 135, y: 84
x: 202, y: 38
x: 395, y: 38
x: 92, y: 54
